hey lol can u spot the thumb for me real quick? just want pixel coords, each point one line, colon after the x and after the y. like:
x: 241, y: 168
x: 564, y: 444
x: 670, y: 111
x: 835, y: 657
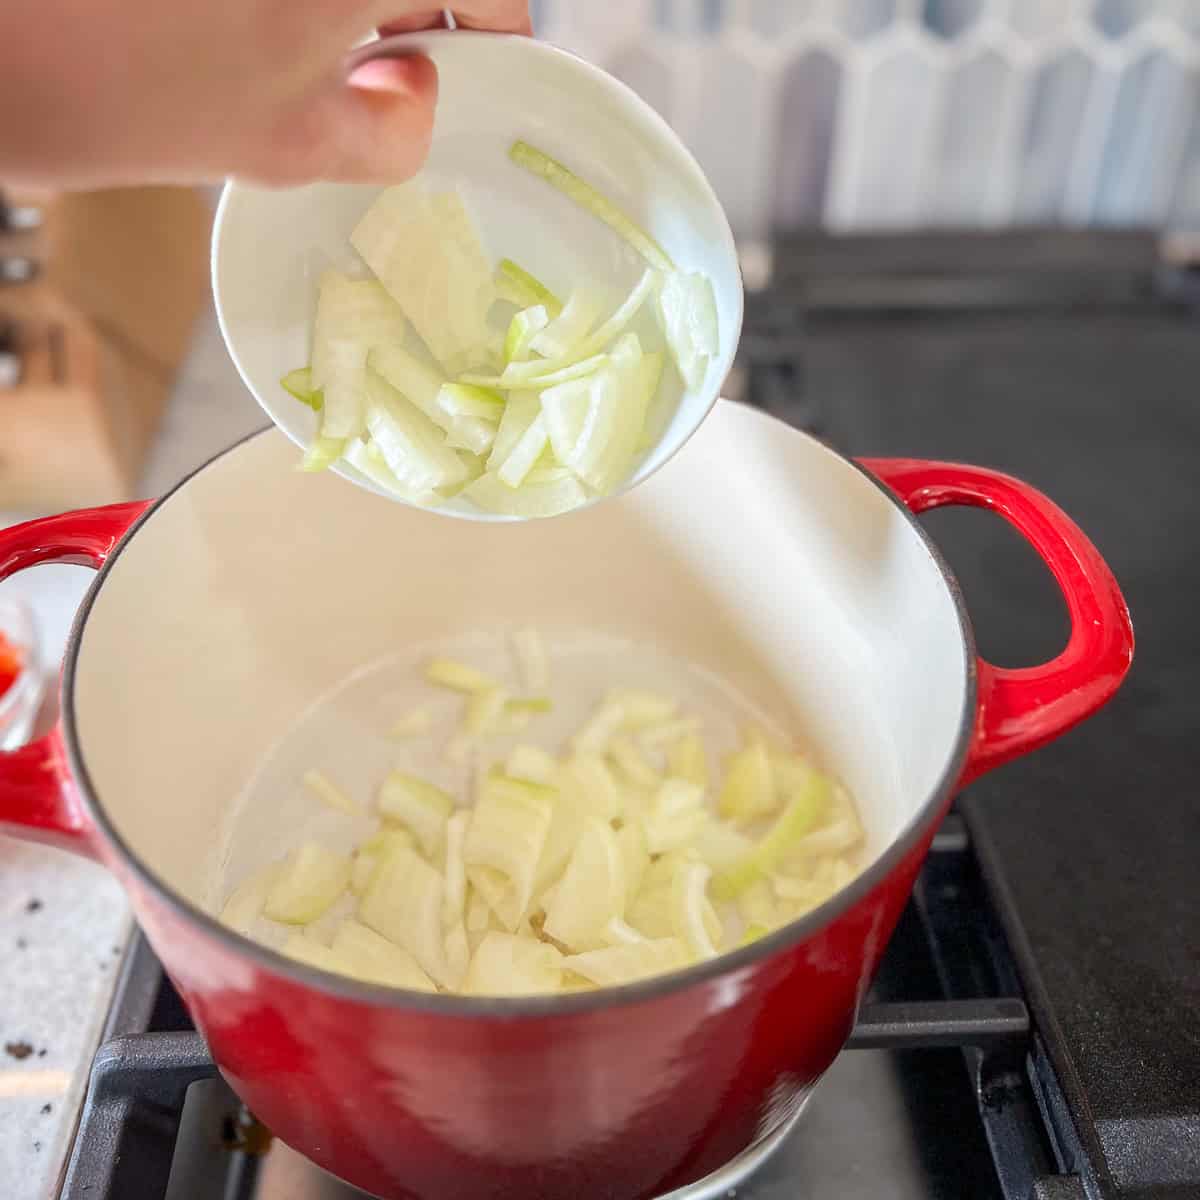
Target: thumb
x: 379, y: 124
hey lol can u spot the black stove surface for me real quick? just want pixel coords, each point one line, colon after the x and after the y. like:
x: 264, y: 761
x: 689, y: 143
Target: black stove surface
x: 1074, y: 363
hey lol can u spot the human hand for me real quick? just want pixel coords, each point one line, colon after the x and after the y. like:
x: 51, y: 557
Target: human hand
x: 126, y: 91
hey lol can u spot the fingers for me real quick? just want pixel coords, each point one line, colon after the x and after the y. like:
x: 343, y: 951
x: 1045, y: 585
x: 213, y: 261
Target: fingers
x: 434, y: 18
x: 376, y: 125
x: 375, y: 128
x: 501, y: 16
x: 412, y: 75
x: 387, y: 121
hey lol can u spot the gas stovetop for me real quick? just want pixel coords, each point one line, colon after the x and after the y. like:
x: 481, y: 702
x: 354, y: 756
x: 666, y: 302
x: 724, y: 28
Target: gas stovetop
x: 1034, y: 1033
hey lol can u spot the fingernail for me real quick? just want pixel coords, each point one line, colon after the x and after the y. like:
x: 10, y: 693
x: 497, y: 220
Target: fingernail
x: 386, y: 75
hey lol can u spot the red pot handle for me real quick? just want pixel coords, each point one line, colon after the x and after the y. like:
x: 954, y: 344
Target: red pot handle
x: 37, y: 799
x: 1019, y: 710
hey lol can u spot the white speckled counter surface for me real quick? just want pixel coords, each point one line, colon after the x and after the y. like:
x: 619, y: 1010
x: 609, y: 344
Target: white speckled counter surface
x: 63, y: 921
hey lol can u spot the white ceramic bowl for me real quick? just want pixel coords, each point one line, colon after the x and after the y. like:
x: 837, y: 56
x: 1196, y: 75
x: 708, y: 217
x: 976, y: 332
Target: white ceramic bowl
x: 269, y: 247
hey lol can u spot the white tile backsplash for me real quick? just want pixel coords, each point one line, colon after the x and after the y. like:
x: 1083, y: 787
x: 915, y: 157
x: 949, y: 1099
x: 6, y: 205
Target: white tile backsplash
x: 902, y: 113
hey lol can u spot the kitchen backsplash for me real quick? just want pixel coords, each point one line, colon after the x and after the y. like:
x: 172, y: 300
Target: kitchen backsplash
x: 859, y: 114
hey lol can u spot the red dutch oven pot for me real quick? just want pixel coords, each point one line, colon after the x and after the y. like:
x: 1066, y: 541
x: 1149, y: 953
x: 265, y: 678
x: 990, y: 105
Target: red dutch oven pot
x: 222, y: 610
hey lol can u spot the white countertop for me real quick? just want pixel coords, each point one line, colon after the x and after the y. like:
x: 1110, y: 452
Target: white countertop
x: 63, y: 921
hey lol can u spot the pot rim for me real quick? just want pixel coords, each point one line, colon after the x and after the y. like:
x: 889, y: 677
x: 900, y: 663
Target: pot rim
x: 785, y: 938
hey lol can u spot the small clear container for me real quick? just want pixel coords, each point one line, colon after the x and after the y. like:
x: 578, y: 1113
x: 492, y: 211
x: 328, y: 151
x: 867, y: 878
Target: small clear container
x: 20, y: 702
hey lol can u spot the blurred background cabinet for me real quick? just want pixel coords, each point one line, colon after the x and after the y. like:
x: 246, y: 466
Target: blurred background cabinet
x: 99, y: 294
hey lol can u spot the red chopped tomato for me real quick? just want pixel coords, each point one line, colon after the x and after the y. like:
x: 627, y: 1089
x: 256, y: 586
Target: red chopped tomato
x: 10, y: 664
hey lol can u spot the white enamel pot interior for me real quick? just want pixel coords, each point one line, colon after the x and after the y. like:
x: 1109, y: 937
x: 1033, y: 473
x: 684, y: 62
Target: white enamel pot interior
x: 757, y: 553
